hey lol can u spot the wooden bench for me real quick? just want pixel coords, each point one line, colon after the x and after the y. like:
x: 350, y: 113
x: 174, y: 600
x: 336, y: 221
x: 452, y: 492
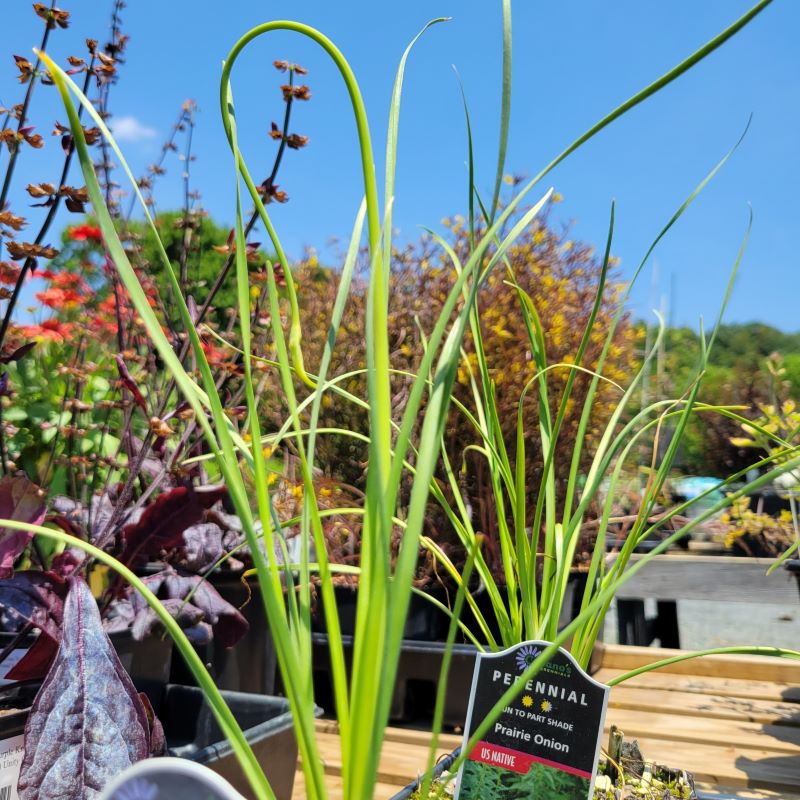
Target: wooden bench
x: 734, y: 721
x: 667, y: 578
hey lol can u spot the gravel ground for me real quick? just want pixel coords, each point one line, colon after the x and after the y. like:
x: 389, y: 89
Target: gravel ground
x: 705, y: 624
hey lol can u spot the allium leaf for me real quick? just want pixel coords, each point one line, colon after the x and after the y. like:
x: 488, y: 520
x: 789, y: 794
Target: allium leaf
x: 87, y: 723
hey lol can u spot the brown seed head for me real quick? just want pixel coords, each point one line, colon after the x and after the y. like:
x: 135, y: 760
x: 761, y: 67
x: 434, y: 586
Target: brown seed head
x: 19, y: 250
x: 295, y: 141
x: 52, y: 16
x: 301, y: 92
x: 40, y: 189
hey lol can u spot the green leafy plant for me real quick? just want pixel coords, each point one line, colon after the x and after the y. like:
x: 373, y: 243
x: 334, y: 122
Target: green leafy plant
x: 540, y: 782
x: 363, y: 702
x: 754, y: 533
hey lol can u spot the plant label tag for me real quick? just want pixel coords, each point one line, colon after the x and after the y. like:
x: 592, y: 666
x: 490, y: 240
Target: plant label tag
x: 9, y: 662
x: 12, y: 751
x: 169, y: 779
x: 546, y: 741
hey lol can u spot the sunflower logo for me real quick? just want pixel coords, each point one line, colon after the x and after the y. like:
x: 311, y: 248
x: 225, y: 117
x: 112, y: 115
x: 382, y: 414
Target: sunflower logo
x: 137, y: 789
x: 546, y: 705
x: 526, y: 655
x: 527, y: 701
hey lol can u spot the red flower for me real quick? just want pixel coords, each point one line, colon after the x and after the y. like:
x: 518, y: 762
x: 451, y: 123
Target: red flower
x: 216, y: 356
x: 51, y: 329
x: 59, y: 298
x: 70, y: 280
x: 83, y: 233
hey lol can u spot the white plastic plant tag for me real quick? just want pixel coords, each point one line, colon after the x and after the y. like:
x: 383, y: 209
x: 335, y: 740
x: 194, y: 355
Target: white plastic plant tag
x: 11, y: 753
x: 169, y: 779
x: 548, y: 736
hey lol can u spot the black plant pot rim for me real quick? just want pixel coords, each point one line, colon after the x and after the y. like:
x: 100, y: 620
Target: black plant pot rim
x: 441, y: 766
x: 13, y: 722
x: 270, y: 727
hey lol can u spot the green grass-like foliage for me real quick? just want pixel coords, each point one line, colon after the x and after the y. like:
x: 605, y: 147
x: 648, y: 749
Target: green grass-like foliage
x: 540, y: 782
x: 362, y: 704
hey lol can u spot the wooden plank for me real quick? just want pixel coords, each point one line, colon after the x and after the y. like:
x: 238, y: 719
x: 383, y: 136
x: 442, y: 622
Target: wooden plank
x: 738, y: 733
x: 399, y: 764
x: 447, y: 741
x: 702, y: 705
x: 333, y: 783
x: 718, y: 578
x: 761, y: 668
x: 410, y: 736
x: 729, y: 687
x: 705, y: 792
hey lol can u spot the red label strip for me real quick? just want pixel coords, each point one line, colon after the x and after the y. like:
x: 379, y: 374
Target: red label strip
x: 504, y: 757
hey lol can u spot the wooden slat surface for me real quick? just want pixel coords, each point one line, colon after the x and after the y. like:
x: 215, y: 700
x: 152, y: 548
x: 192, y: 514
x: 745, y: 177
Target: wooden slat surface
x: 771, y: 670
x: 632, y: 697
x: 732, y: 721
x: 729, y: 687
x: 404, y: 755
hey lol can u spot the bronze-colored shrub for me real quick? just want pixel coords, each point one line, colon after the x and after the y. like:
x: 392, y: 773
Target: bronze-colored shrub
x: 560, y: 275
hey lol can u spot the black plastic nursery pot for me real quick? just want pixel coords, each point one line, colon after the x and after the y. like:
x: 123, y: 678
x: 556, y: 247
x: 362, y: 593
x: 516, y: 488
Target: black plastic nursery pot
x: 418, y: 673
x: 249, y: 666
x: 420, y: 663
x: 417, y: 678
x: 441, y: 766
x: 192, y: 732
x: 148, y: 662
x: 424, y: 622
x: 793, y: 565
x: 15, y: 705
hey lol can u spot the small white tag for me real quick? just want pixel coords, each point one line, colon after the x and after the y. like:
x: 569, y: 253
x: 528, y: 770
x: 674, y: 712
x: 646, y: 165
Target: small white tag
x: 9, y: 662
x: 11, y: 753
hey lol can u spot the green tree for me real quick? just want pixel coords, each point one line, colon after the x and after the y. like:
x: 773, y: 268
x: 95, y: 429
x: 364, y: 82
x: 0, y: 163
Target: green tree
x: 737, y: 376
x: 197, y: 250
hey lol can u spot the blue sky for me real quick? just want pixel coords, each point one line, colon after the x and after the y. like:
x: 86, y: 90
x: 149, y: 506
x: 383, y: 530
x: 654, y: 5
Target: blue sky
x: 573, y: 62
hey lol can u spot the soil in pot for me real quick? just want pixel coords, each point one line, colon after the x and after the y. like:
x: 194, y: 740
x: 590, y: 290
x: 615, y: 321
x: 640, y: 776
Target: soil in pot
x: 625, y: 775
